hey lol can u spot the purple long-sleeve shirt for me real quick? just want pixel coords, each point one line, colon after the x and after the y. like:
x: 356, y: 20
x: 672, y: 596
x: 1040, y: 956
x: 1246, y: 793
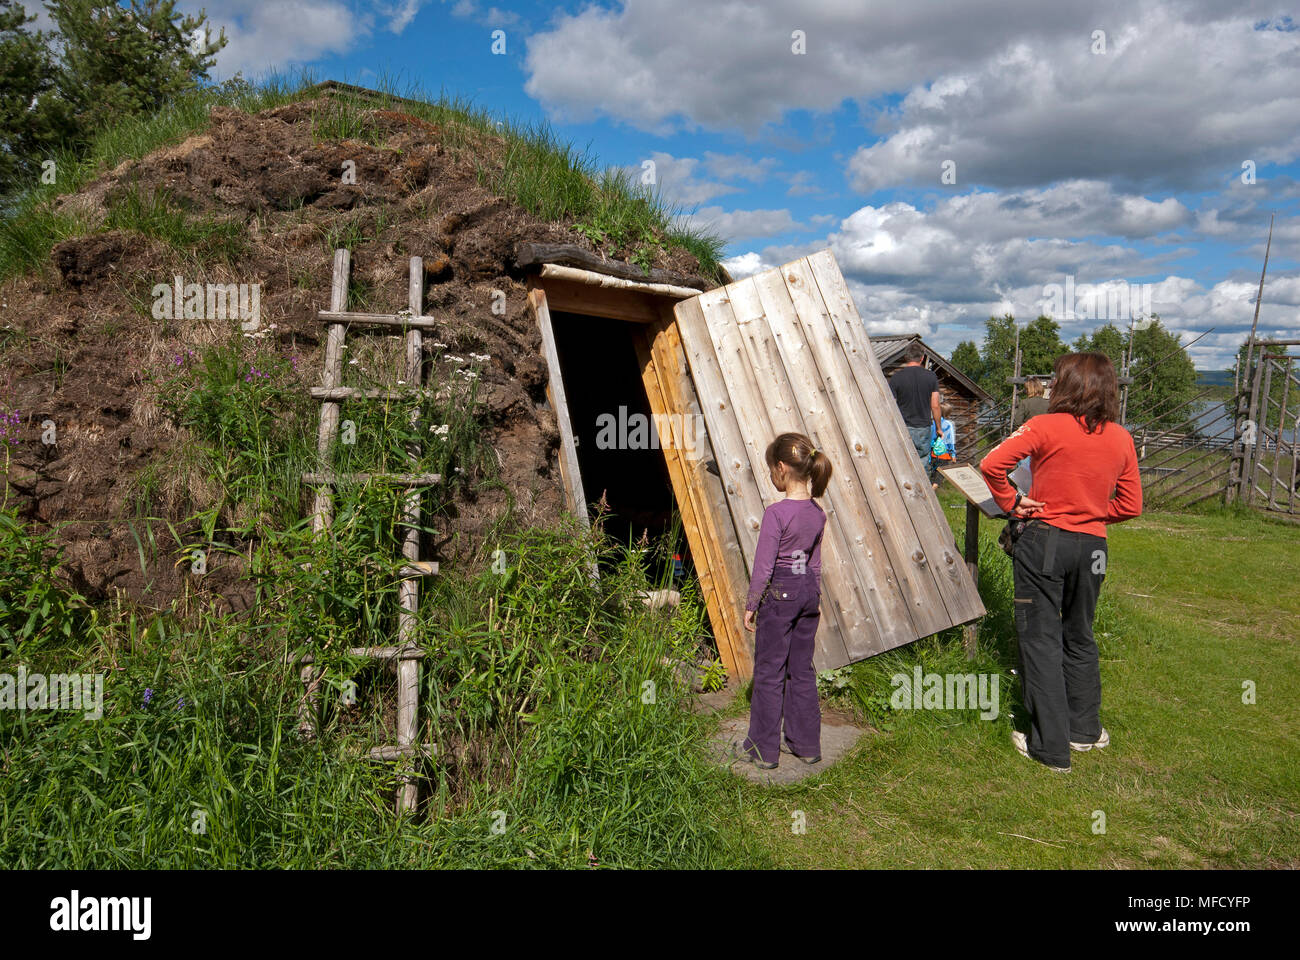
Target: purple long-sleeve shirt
x: 791, y: 530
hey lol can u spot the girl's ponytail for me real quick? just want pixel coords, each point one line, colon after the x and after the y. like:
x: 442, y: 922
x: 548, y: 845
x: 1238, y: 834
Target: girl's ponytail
x: 819, y: 472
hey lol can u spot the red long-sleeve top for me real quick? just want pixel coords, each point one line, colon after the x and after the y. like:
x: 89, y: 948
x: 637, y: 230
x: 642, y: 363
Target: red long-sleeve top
x: 1086, y: 480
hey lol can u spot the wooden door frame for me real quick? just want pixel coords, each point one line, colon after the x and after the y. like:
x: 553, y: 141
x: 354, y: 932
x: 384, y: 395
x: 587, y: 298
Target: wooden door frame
x: 670, y: 391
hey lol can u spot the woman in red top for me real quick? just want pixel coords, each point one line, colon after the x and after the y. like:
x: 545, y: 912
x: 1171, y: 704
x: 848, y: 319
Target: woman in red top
x: 1085, y: 476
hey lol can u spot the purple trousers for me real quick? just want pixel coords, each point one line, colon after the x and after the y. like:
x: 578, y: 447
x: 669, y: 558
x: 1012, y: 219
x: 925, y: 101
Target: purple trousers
x: 785, y: 683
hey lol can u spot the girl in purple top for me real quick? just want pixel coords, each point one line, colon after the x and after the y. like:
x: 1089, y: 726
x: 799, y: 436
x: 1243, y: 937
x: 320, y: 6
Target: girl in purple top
x: 784, y: 592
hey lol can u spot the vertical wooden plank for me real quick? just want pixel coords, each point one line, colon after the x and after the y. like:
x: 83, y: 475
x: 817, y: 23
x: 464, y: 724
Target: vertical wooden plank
x: 920, y: 504
x: 408, y: 671
x: 711, y: 499
x: 1281, y: 426
x: 569, y: 471
x: 970, y: 635
x: 322, y: 511
x: 696, y: 519
x: 1252, y: 450
x: 725, y: 433
x: 331, y: 376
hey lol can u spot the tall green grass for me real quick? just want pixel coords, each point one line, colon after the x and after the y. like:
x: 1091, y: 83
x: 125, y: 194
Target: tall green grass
x: 564, y: 737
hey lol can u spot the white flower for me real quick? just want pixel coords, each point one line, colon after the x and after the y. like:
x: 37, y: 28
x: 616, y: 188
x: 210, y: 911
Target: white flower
x: 353, y: 361
x: 440, y: 430
x: 455, y: 359
x: 440, y: 346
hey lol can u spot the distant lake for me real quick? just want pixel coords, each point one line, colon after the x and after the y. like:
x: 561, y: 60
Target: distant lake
x: 1209, y: 412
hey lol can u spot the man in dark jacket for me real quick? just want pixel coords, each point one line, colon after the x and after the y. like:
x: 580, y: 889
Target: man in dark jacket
x: 916, y: 391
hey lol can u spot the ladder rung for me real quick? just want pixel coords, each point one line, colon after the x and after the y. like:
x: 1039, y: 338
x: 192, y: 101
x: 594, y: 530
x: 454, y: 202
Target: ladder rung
x: 378, y: 653
x: 420, y: 568
x: 352, y: 393
x: 396, y: 479
x: 397, y: 753
x: 378, y: 319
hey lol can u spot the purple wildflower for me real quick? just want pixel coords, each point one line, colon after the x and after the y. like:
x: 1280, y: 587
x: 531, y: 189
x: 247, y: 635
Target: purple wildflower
x: 148, y: 695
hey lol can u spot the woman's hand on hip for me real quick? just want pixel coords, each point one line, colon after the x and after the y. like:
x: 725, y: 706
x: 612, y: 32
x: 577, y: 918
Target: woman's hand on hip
x: 1027, y: 507
x: 749, y: 620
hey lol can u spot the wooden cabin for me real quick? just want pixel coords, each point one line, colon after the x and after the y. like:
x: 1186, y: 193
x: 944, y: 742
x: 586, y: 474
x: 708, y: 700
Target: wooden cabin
x: 966, y: 396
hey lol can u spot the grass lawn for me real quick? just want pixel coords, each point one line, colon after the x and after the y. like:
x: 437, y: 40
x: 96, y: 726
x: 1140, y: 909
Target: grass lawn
x: 1193, y: 606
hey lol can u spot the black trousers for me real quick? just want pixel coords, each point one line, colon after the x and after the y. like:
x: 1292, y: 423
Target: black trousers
x: 1058, y: 575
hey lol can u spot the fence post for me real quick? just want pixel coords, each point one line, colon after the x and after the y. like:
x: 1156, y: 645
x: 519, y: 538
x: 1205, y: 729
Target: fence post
x: 970, y: 633
x: 1248, y: 459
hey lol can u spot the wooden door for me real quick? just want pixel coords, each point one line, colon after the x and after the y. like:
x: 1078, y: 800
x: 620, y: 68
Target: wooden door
x: 785, y: 350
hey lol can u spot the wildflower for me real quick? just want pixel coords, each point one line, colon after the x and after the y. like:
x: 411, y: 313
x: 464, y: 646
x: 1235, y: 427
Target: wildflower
x: 440, y: 346
x: 455, y: 359
x: 352, y: 362
x: 180, y: 703
x: 148, y: 695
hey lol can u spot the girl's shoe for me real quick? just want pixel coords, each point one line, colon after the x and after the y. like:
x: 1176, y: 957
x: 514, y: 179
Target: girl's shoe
x: 738, y: 752
x: 785, y: 748
x: 1021, y: 743
x: 1099, y: 744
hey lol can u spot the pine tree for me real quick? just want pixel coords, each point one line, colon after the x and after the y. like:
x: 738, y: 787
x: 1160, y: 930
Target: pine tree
x: 119, y: 62
x: 34, y: 122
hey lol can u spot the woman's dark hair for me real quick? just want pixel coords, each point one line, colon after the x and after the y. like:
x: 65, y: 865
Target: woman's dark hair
x: 1086, y: 386
x: 805, y: 461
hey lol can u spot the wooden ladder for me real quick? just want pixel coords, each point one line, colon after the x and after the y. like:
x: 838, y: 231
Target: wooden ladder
x: 331, y: 394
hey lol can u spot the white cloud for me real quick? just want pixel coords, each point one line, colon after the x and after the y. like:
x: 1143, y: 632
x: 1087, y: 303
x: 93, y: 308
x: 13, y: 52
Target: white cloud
x: 284, y: 34
x: 677, y: 181
x: 1008, y: 89
x: 943, y: 272
x: 743, y: 224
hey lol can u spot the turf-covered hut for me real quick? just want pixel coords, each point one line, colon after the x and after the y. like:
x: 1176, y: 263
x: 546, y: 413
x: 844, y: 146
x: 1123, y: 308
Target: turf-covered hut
x: 720, y: 372
x: 965, y: 395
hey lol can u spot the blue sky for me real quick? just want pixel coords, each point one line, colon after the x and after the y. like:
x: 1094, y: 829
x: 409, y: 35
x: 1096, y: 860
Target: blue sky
x: 1100, y: 141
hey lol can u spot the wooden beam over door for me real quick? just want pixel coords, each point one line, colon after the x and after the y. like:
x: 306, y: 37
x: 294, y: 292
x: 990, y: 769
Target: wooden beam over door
x: 569, y: 296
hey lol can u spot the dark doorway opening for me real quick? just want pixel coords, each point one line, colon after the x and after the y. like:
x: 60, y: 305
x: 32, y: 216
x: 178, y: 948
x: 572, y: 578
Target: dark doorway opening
x: 618, y: 452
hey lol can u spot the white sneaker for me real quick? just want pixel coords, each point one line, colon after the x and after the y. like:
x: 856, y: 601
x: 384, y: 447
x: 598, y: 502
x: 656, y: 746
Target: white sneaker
x: 1021, y: 743
x: 1100, y: 743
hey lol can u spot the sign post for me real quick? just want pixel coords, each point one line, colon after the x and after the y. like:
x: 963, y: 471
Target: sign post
x: 979, y: 499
